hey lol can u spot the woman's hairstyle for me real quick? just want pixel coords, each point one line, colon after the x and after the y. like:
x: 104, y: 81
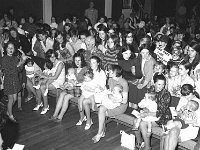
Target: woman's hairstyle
x: 103, y: 28
x: 117, y: 69
x: 98, y: 60
x: 48, y: 64
x: 171, y: 64
x: 196, y: 46
x: 41, y: 31
x: 124, y: 48
x: 73, y: 32
x: 187, y: 65
x: 115, y: 39
x: 6, y: 46
x: 186, y: 89
x: 13, y: 29
x: 157, y: 77
x: 50, y: 52
x: 79, y: 54
x: 56, y: 45
x: 159, y: 63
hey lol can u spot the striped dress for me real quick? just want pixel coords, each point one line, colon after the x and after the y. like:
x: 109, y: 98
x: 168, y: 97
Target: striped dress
x: 110, y: 58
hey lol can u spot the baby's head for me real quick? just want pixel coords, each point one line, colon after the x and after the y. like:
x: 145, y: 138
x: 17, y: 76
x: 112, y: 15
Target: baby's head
x: 192, y: 105
x: 48, y: 64
x: 88, y: 75
x: 151, y: 95
x: 159, y: 67
x: 118, y: 89
x: 71, y: 71
x: 30, y: 62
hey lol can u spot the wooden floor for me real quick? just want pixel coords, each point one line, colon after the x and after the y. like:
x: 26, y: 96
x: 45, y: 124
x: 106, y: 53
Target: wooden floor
x: 38, y: 133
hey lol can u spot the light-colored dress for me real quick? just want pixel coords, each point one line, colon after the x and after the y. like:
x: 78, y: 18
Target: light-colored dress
x: 152, y: 106
x: 61, y: 78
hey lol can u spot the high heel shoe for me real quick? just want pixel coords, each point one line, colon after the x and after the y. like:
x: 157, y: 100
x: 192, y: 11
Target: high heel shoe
x: 79, y: 123
x: 97, y: 137
x: 38, y: 107
x: 44, y: 110
x: 87, y: 126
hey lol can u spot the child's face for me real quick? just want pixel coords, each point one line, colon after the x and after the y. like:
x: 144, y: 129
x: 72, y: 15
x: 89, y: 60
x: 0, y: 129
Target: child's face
x: 70, y: 71
x: 87, y: 78
x: 158, y: 69
x: 149, y: 96
x: 173, y: 72
x: 190, y: 106
x: 29, y: 64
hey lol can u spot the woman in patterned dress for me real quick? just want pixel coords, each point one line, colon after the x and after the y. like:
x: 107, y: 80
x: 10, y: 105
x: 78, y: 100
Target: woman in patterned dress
x: 10, y: 67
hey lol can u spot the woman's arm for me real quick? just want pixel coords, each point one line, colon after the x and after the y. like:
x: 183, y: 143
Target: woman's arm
x: 70, y: 48
x: 58, y: 71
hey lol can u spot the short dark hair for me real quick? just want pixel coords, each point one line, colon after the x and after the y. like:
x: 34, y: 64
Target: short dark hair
x: 29, y: 60
x: 117, y: 69
x: 50, y: 52
x: 157, y: 77
x: 48, y: 64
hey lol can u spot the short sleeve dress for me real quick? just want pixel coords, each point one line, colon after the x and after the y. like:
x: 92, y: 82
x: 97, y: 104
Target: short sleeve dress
x: 11, y: 80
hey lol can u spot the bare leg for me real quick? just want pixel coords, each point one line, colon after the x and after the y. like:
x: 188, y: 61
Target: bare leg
x: 65, y: 105
x: 10, y: 104
x: 173, y: 138
x: 143, y: 128
x: 162, y: 142
x: 80, y: 102
x: 39, y: 97
x: 93, y: 103
x: 59, y: 103
x: 19, y: 100
x: 102, y: 117
x: 86, y: 106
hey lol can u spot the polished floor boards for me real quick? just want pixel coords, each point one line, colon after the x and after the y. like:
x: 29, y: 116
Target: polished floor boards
x: 38, y: 133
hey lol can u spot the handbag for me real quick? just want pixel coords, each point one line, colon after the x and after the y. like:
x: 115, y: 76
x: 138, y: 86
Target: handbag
x: 127, y: 140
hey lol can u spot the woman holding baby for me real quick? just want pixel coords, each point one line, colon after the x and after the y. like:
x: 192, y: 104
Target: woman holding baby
x: 178, y: 133
x: 80, y: 68
x: 58, y: 79
x: 115, y: 79
x: 163, y: 99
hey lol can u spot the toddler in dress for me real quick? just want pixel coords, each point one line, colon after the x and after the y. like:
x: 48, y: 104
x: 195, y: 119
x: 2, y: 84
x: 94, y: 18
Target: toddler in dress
x: 30, y: 70
x: 113, y: 98
x: 187, y: 115
x: 88, y: 87
x: 147, y: 104
x: 71, y: 78
x: 47, y: 72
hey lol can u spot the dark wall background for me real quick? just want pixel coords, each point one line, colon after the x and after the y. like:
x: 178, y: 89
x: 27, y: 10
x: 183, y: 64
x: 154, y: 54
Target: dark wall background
x: 23, y: 7
x: 75, y: 7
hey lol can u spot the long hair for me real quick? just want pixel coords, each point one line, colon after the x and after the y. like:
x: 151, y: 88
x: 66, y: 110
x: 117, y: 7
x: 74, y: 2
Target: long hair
x: 98, y: 60
x: 123, y: 49
x: 83, y: 63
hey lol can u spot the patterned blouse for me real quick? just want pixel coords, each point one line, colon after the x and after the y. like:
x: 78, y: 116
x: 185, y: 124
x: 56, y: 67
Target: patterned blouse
x: 163, y: 111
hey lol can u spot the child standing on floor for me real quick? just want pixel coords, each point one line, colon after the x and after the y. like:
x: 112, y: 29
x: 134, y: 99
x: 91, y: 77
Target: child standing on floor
x: 47, y: 72
x: 148, y: 104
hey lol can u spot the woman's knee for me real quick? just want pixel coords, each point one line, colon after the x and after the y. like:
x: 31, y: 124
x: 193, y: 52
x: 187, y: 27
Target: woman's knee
x: 174, y: 132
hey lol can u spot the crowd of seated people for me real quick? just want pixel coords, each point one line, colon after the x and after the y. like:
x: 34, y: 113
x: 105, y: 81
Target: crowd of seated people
x: 129, y: 56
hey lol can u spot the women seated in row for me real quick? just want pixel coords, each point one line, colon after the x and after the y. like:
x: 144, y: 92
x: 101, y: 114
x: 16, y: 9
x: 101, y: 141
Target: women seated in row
x: 63, y: 101
x: 58, y: 80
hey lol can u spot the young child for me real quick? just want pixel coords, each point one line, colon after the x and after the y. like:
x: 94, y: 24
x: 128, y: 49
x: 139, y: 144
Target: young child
x: 30, y: 70
x: 88, y: 89
x: 47, y: 72
x: 147, y: 104
x: 113, y: 98
x: 71, y: 78
x: 187, y: 115
x: 158, y: 68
